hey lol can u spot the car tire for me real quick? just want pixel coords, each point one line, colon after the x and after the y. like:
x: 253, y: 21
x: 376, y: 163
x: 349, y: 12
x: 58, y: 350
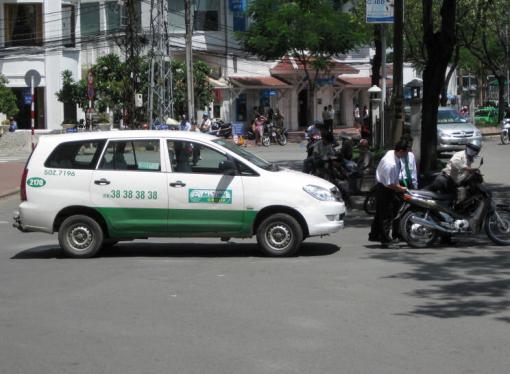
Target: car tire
x: 80, y: 236
x: 279, y: 235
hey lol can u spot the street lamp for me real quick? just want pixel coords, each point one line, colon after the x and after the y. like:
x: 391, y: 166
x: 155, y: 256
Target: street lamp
x: 375, y: 109
x: 416, y: 86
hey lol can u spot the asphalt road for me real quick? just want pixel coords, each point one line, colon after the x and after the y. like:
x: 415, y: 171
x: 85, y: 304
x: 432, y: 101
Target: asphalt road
x: 202, y: 306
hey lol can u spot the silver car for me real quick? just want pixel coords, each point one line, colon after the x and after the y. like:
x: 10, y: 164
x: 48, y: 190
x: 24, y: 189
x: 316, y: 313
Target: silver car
x: 454, y: 131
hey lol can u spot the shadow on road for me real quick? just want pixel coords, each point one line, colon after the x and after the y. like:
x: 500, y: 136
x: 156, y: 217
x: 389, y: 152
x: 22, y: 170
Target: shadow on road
x: 473, y: 282
x: 139, y: 249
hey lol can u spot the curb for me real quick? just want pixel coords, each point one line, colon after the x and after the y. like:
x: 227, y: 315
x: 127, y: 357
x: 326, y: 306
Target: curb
x: 9, y: 193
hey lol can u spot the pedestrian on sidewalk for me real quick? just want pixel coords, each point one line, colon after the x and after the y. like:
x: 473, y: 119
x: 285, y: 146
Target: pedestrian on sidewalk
x: 329, y: 125
x: 13, y: 126
x: 357, y: 117
x: 388, y: 186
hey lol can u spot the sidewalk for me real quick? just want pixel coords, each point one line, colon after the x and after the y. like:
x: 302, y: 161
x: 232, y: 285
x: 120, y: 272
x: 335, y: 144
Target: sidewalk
x: 10, y: 177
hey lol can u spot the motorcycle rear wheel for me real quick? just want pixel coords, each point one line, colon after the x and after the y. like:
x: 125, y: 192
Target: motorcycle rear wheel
x: 497, y: 226
x: 369, y: 204
x: 416, y: 235
x: 266, y: 140
x: 504, y: 137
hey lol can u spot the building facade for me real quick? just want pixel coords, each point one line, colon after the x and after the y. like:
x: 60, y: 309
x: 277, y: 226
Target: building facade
x: 50, y: 36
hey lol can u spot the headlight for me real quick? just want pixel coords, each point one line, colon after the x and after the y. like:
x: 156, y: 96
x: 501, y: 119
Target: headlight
x: 440, y: 133
x: 477, y: 133
x: 320, y: 193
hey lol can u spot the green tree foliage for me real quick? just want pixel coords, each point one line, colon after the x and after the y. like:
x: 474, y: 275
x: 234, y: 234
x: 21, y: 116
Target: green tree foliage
x: 312, y: 31
x: 8, y: 104
x: 111, y: 82
x: 485, y: 34
x: 202, y: 88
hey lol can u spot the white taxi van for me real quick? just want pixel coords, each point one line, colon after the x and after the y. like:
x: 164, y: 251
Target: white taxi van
x: 95, y: 189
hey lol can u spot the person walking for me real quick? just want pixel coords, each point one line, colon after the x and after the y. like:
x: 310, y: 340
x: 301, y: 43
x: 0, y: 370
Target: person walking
x: 357, y: 117
x: 205, y: 126
x: 184, y: 125
x: 387, y: 176
x: 329, y: 125
x: 325, y: 116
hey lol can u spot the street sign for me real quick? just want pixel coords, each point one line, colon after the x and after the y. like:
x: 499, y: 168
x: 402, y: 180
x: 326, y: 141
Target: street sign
x: 28, y: 78
x: 237, y: 5
x: 380, y: 11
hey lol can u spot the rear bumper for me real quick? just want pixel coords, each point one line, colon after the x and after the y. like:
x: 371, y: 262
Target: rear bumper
x: 18, y: 223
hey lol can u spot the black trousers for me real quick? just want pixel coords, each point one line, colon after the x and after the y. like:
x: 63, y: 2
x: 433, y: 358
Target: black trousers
x: 385, y: 210
x: 328, y: 125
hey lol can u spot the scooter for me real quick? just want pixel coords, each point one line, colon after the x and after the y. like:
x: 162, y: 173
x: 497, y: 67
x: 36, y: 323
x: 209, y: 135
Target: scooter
x: 221, y: 129
x: 426, y: 215
x: 505, y: 128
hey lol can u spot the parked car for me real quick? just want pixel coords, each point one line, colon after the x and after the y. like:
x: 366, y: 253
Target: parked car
x: 486, y: 116
x: 454, y: 131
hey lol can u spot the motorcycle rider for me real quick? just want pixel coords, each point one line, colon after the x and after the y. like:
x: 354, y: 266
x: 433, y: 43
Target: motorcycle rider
x: 457, y: 168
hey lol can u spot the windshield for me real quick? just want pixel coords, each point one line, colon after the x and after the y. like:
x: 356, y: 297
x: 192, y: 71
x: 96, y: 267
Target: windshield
x: 449, y: 116
x: 256, y: 160
x: 481, y: 113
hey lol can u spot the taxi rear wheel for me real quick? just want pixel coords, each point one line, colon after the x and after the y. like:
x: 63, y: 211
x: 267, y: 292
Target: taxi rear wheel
x: 80, y: 236
x: 279, y: 235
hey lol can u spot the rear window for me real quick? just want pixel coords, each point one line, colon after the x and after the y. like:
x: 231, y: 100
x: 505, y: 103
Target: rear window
x: 76, y: 155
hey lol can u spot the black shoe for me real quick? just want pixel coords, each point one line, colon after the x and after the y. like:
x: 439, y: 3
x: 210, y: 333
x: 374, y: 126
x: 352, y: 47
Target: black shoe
x: 392, y: 244
x: 373, y: 238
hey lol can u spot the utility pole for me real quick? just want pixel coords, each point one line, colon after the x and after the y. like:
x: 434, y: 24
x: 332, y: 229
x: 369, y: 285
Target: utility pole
x: 188, y: 19
x: 160, y: 78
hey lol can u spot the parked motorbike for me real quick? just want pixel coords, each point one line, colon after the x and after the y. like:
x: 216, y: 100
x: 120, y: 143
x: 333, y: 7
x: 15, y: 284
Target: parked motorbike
x: 425, y: 215
x: 221, y: 129
x: 274, y: 134
x: 505, y: 128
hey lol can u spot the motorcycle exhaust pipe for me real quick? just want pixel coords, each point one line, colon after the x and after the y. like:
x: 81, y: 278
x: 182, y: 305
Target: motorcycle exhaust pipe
x: 431, y: 225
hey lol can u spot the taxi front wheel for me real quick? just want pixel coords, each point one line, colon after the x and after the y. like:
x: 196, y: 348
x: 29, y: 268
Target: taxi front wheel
x: 80, y: 236
x: 279, y: 235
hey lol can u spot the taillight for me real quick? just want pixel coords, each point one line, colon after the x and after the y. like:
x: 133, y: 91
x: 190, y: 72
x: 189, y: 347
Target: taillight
x: 23, y: 186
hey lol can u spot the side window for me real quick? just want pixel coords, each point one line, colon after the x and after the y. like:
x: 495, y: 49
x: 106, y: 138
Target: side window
x: 190, y: 157
x: 137, y: 155
x: 245, y: 170
x: 76, y: 155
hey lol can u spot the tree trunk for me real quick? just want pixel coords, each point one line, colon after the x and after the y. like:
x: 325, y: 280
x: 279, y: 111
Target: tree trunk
x: 398, y: 72
x: 501, y: 97
x: 439, y: 46
x: 451, y: 70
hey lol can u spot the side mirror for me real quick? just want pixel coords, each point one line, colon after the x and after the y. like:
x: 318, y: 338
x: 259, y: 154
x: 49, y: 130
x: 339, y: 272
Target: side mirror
x: 228, y: 167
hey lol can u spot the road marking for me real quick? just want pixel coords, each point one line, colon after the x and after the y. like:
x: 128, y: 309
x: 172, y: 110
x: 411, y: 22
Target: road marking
x: 4, y: 222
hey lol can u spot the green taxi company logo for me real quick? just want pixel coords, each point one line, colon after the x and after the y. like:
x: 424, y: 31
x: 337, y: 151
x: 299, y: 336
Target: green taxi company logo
x: 36, y: 182
x: 210, y: 196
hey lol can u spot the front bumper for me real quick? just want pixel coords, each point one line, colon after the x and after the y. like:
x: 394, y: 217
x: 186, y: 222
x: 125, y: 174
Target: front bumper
x: 328, y: 219
x: 445, y: 143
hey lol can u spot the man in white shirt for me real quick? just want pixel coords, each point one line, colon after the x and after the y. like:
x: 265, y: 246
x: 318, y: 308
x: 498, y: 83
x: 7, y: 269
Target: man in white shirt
x: 387, y: 176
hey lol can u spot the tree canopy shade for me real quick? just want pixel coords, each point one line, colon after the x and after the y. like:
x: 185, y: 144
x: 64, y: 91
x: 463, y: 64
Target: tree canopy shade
x: 312, y: 31
x: 7, y: 98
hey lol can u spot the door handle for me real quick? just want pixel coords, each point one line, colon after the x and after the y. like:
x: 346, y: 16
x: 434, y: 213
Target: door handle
x: 177, y: 184
x: 102, y: 181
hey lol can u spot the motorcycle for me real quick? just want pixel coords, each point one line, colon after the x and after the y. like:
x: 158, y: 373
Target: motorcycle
x: 274, y: 134
x: 221, y: 129
x: 505, y: 128
x: 426, y: 215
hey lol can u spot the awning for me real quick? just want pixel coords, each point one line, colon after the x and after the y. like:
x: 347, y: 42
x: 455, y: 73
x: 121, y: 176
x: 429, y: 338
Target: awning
x: 258, y: 82
x: 290, y: 65
x: 218, y: 83
x: 361, y: 82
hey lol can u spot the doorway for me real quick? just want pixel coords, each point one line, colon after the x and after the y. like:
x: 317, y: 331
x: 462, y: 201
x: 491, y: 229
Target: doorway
x: 303, y: 108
